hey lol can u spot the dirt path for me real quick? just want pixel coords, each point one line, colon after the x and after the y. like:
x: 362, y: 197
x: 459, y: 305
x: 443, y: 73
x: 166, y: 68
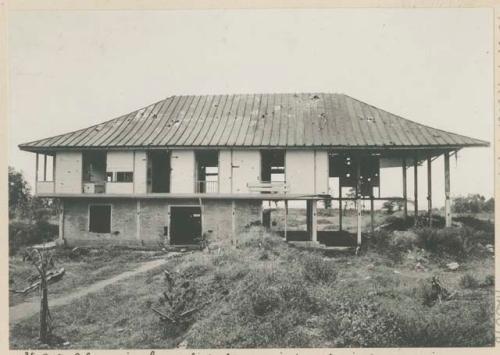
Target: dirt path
x: 28, y: 309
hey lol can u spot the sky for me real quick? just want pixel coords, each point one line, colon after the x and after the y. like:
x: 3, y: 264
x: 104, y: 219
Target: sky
x: 72, y: 69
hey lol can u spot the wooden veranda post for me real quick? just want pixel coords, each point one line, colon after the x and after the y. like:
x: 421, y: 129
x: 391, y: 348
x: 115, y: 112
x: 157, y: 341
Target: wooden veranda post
x: 358, y: 198
x: 314, y: 221
x: 340, y: 206
x: 45, y: 167
x: 286, y: 220
x: 447, y: 203
x: 429, y: 189
x: 36, y: 173
x: 405, y: 193
x: 415, y: 190
x: 372, y: 215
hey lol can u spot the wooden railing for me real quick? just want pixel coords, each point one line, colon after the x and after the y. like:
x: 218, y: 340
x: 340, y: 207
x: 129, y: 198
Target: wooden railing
x: 272, y: 187
x: 207, y: 187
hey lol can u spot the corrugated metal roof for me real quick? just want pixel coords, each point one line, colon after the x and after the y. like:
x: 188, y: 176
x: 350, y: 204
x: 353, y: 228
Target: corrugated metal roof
x: 257, y: 120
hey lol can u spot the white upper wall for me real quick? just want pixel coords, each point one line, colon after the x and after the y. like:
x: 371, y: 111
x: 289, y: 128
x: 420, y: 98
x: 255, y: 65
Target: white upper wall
x: 306, y: 171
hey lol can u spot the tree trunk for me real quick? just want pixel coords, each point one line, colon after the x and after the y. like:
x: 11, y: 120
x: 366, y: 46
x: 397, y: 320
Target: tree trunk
x: 44, y: 310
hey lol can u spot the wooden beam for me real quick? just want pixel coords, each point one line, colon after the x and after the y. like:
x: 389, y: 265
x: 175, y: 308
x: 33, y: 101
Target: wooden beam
x: 405, y: 192
x: 45, y: 167
x: 36, y: 170
x: 447, y: 203
x: 372, y: 215
x: 358, y: 199
x: 340, y: 206
x: 314, y: 220
x: 286, y: 220
x: 61, y: 222
x: 429, y: 189
x: 415, y: 186
x: 233, y: 222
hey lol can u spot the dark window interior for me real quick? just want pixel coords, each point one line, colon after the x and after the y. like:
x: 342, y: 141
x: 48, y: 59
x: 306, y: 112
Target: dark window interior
x: 344, y: 167
x: 158, y: 171
x: 272, y: 165
x: 94, y: 166
x: 100, y: 219
x: 207, y: 162
x: 124, y: 176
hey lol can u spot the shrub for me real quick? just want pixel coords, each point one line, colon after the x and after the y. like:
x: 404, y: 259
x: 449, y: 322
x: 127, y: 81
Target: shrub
x: 23, y: 234
x: 361, y: 322
x: 489, y: 280
x: 315, y: 269
x: 469, y: 281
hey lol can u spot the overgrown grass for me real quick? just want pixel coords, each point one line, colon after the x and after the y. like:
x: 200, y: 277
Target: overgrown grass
x: 265, y: 293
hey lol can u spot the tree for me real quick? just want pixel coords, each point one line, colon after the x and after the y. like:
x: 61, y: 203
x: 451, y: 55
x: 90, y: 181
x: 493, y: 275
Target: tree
x: 43, y: 262
x: 19, y: 194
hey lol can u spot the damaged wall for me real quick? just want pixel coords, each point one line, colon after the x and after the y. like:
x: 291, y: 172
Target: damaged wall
x: 143, y: 222
x: 68, y: 172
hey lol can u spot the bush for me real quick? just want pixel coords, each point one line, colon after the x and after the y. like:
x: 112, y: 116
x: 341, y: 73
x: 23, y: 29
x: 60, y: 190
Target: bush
x: 315, y: 269
x: 361, y: 322
x: 22, y: 234
x: 468, y: 281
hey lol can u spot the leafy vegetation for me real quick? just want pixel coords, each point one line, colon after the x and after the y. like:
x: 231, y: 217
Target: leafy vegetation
x: 29, y: 216
x: 266, y: 293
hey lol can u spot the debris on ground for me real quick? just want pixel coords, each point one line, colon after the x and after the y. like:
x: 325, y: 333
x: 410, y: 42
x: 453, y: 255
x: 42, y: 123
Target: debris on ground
x: 419, y: 267
x: 438, y: 293
x: 490, y: 248
x: 452, y: 266
x: 52, y: 276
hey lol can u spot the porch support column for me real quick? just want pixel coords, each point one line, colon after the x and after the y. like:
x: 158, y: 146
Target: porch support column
x: 372, y: 215
x: 45, y: 167
x: 405, y: 193
x: 233, y: 223
x: 429, y: 189
x: 415, y: 191
x: 358, y: 199
x: 447, y: 203
x: 61, y: 222
x: 286, y: 220
x: 340, y: 206
x: 36, y: 172
x: 314, y: 221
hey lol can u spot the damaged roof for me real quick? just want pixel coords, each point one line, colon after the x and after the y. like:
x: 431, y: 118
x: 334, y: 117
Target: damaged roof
x: 257, y: 120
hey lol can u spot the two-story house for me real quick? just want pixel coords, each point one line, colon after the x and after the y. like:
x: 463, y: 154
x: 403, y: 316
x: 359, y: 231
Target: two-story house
x: 193, y: 166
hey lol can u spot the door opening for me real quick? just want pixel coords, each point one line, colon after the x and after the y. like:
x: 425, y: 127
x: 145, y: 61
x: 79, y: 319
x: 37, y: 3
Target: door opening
x: 185, y: 225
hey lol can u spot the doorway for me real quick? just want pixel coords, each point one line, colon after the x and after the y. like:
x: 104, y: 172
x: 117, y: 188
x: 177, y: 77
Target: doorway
x: 158, y: 171
x: 185, y: 225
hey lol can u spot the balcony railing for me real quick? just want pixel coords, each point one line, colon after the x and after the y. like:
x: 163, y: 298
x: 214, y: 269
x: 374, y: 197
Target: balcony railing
x: 272, y: 187
x: 208, y: 187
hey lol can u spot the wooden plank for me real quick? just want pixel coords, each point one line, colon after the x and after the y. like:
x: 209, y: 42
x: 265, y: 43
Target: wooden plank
x: 405, y: 192
x: 415, y: 187
x: 429, y: 189
x: 447, y: 204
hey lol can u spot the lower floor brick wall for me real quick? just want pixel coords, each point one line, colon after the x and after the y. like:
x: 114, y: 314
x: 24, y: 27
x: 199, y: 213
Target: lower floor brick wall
x: 144, y: 223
